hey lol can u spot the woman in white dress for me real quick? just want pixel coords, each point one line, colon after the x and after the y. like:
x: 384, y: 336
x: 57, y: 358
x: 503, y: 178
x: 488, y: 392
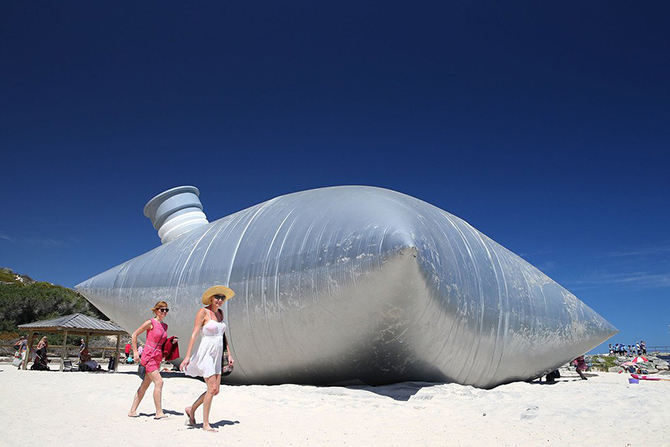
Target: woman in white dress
x: 206, y: 362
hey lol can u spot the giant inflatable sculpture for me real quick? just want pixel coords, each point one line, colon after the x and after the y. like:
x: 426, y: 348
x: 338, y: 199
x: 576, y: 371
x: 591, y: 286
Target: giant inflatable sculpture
x: 351, y: 283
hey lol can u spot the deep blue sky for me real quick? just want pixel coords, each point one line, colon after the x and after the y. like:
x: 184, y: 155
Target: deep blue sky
x: 544, y: 125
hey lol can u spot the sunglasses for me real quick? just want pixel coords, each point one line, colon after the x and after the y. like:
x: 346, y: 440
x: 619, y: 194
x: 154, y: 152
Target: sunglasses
x: 164, y: 310
x: 219, y: 297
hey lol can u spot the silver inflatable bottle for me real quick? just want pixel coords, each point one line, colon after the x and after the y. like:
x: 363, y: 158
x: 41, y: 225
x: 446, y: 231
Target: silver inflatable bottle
x: 352, y: 283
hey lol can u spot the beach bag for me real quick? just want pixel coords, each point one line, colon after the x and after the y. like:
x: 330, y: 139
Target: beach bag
x: 141, y: 371
x: 17, y: 359
x: 226, y: 368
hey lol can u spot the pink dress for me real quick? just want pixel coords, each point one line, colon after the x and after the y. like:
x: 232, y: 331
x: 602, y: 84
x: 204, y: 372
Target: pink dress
x: 207, y: 360
x: 153, y: 350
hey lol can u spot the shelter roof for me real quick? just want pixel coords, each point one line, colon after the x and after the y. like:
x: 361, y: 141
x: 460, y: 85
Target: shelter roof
x: 75, y: 323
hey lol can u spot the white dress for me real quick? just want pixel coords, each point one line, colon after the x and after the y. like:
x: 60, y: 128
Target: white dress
x: 207, y: 361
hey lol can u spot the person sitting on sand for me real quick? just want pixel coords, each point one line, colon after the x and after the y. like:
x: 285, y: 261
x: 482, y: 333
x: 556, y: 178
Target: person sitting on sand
x: 151, y: 358
x: 41, y: 360
x: 84, y: 356
x: 206, y: 362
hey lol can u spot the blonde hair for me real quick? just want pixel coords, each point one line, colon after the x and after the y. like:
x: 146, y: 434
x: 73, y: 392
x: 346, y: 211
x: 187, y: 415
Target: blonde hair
x: 159, y: 305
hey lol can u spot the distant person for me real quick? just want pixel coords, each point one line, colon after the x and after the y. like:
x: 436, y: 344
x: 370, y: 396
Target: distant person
x: 20, y: 347
x: 637, y: 349
x: 552, y: 376
x: 21, y: 342
x: 41, y: 360
x: 206, y: 362
x: 84, y: 356
x: 82, y: 346
x: 151, y: 358
x: 611, y: 349
x: 580, y: 366
x: 127, y: 350
x: 86, y: 363
x: 643, y: 347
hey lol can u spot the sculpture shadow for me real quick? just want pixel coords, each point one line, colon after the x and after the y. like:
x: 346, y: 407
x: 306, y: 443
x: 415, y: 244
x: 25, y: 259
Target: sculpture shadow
x: 557, y: 381
x: 164, y: 374
x: 402, y: 391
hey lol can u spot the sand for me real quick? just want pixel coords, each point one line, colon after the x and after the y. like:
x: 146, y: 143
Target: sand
x: 50, y: 407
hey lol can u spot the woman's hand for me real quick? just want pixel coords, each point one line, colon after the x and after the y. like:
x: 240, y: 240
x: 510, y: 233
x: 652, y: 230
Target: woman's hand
x: 184, y: 364
x: 231, y: 361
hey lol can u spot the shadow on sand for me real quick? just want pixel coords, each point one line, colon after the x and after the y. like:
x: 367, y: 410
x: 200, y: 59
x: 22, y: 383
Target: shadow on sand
x: 218, y: 424
x: 169, y: 412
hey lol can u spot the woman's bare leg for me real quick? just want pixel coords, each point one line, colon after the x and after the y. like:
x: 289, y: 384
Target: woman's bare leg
x: 190, y: 411
x: 139, y: 395
x: 156, y: 378
x: 213, y: 384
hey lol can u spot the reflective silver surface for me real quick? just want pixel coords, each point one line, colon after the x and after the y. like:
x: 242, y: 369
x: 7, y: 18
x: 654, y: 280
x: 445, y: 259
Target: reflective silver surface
x: 358, y: 283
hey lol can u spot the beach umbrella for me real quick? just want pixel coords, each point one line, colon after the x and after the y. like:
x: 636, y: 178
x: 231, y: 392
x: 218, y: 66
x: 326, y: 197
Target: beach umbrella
x: 640, y: 359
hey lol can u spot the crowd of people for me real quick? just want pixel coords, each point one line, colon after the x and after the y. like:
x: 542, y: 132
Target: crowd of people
x: 623, y: 349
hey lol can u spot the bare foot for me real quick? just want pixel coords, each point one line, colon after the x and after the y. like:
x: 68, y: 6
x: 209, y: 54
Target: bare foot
x: 160, y: 416
x: 133, y: 414
x: 209, y: 428
x: 191, y: 418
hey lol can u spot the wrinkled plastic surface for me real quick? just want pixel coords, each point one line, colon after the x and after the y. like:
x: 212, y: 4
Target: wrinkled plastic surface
x: 358, y: 284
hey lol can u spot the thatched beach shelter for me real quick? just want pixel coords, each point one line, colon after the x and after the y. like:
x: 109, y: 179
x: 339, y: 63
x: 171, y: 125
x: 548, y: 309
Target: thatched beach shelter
x: 77, y: 324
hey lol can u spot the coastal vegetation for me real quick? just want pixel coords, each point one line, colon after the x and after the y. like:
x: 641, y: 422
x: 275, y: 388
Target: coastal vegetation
x: 24, y: 300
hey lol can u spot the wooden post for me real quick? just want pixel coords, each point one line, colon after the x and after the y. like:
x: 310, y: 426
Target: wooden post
x: 29, y: 348
x: 63, y: 353
x: 118, y: 348
x: 88, y: 334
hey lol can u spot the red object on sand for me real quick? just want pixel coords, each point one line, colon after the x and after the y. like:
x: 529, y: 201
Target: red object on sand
x: 639, y: 377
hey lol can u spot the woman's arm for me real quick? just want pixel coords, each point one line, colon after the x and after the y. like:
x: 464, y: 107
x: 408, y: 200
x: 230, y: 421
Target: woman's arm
x: 227, y: 349
x: 199, y: 321
x: 145, y: 326
x: 231, y: 361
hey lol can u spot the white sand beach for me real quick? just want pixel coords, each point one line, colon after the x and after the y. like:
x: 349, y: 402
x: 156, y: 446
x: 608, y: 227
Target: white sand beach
x: 77, y: 408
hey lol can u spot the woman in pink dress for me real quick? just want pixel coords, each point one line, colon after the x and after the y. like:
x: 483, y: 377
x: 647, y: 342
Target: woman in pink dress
x: 206, y: 362
x: 151, y: 358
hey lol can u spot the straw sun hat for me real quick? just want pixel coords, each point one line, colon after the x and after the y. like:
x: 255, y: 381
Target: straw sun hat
x: 217, y: 290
